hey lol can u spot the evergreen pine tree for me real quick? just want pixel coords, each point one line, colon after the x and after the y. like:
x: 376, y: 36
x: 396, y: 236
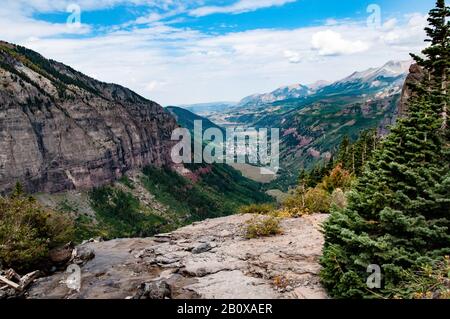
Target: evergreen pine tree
x: 436, y: 59
x: 398, y: 216
x: 18, y: 190
x: 344, y: 149
x: 303, y: 179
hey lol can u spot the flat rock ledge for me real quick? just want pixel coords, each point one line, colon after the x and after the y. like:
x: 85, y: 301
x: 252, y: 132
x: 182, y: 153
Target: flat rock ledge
x: 209, y: 259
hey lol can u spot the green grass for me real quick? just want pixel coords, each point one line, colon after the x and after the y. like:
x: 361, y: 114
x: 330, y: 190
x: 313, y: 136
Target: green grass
x: 86, y: 228
x: 125, y: 180
x: 120, y: 214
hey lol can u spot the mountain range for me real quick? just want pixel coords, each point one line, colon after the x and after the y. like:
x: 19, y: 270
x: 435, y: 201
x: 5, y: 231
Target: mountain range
x: 389, y: 76
x: 282, y: 93
x: 186, y: 119
x: 314, y: 119
x: 102, y: 152
x: 207, y: 108
x: 63, y: 130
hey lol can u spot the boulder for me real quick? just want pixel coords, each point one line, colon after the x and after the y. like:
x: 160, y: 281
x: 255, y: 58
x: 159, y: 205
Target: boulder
x: 82, y: 255
x: 159, y: 289
x: 61, y: 255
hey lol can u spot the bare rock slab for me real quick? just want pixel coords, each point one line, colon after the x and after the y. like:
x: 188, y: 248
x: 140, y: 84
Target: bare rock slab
x: 199, y: 261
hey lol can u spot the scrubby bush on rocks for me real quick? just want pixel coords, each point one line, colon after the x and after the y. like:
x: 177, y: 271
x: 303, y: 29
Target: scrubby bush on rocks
x: 28, y: 231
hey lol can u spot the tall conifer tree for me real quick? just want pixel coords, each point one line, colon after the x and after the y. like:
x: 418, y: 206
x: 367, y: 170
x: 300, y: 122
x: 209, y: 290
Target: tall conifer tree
x: 398, y: 216
x: 436, y: 60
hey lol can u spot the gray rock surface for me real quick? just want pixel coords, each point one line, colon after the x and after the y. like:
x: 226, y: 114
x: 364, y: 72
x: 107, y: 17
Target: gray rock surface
x: 416, y: 75
x: 158, y: 289
x: 82, y: 255
x: 201, y: 248
x: 283, y: 266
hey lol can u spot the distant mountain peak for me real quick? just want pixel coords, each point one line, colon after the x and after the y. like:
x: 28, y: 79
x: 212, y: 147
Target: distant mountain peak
x: 389, y: 76
x: 397, y: 67
x: 292, y: 87
x: 318, y: 84
x: 389, y: 70
x: 207, y: 108
x: 293, y: 91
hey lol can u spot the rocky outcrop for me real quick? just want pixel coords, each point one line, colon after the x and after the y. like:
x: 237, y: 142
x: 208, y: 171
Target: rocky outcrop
x: 416, y: 75
x: 210, y: 259
x: 60, y: 129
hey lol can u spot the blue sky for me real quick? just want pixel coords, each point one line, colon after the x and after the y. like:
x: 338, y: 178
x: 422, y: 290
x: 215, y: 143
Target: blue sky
x: 179, y: 52
x: 292, y: 14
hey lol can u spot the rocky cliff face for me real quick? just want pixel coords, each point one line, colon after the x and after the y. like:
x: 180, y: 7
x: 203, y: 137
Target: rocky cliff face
x: 60, y: 129
x: 416, y: 75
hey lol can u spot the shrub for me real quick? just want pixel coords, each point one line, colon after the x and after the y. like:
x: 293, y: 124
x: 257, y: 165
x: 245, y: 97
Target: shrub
x: 120, y: 214
x: 317, y: 200
x: 313, y: 200
x: 280, y: 282
x: 262, y: 226
x: 338, y: 199
x: 297, y: 199
x: 261, y: 209
x: 291, y: 212
x: 28, y: 231
x: 338, y: 178
x: 429, y: 282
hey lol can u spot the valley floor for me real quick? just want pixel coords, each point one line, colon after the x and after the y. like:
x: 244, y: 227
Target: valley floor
x: 253, y: 173
x: 209, y: 259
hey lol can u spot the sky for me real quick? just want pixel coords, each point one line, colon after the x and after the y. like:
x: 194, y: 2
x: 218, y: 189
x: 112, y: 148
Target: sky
x: 194, y: 51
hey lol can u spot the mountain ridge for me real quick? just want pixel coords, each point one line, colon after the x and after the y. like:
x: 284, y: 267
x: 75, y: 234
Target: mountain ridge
x: 78, y: 132
x: 186, y: 119
x: 391, y: 69
x: 312, y: 127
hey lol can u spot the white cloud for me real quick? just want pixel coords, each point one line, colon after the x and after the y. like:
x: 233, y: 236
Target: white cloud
x: 390, y: 24
x: 178, y: 66
x: 153, y: 17
x: 331, y: 21
x: 16, y: 27
x: 86, y: 5
x: 409, y: 33
x: 293, y: 57
x: 329, y: 42
x: 240, y: 6
x: 155, y: 85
